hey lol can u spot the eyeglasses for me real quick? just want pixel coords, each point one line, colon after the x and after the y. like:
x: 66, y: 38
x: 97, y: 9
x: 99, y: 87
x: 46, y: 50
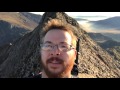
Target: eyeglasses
x: 61, y: 47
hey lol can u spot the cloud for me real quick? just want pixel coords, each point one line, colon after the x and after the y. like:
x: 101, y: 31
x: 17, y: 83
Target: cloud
x: 88, y: 28
x: 108, y: 31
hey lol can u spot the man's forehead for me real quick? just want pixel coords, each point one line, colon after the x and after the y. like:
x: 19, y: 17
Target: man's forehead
x: 57, y: 41
x: 57, y: 36
x: 57, y: 33
x: 51, y: 42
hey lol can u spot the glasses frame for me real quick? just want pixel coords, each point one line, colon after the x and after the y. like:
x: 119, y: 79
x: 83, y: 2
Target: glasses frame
x: 57, y: 45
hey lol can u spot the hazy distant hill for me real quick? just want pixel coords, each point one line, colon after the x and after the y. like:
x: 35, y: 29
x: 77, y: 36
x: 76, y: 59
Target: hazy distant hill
x: 109, y: 27
x: 15, y: 25
x: 110, y: 23
x: 104, y: 41
x: 115, y: 37
x: 109, y: 44
x: 98, y: 37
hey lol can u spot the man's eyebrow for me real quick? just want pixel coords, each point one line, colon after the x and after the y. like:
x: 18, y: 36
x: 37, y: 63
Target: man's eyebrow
x: 63, y: 42
x: 47, y: 42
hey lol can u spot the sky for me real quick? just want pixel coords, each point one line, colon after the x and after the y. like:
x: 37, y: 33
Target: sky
x: 93, y: 16
x: 88, y: 13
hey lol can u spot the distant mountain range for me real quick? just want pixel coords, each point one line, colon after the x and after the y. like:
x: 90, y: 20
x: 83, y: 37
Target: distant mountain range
x: 104, y: 41
x: 110, y: 23
x: 98, y: 37
x: 109, y: 27
x: 15, y: 25
x: 115, y: 37
x: 111, y: 46
x: 18, y: 19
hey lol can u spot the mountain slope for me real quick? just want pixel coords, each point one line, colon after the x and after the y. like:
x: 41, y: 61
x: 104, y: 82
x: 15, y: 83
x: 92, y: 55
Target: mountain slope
x: 15, y: 25
x: 10, y: 33
x: 17, y: 19
x: 24, y: 58
x: 33, y: 17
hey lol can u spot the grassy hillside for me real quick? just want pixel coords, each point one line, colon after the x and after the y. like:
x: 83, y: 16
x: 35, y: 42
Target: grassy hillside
x: 18, y: 19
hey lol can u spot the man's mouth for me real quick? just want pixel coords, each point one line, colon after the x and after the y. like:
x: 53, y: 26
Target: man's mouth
x: 55, y: 60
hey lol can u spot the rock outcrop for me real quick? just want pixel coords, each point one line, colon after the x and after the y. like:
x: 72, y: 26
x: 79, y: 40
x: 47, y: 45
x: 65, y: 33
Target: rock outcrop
x: 22, y: 57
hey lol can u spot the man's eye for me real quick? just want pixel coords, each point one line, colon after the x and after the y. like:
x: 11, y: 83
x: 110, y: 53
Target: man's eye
x: 48, y: 45
x: 64, y: 46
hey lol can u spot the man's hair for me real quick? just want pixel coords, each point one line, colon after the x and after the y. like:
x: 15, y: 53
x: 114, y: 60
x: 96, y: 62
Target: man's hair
x: 59, y: 25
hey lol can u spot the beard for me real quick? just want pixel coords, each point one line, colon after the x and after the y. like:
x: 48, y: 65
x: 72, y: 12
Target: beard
x: 66, y: 68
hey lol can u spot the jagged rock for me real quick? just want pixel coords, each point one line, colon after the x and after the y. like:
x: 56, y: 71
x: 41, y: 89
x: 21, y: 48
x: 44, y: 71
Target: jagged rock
x: 23, y: 56
x: 115, y: 52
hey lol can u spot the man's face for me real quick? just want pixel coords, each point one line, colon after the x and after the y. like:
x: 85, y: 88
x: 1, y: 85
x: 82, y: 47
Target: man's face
x: 57, y: 63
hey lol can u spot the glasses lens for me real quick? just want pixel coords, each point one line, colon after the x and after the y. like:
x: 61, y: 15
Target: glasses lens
x: 64, y: 47
x: 47, y: 46
x: 61, y: 47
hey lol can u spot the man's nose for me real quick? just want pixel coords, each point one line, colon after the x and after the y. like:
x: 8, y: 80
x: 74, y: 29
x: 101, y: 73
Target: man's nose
x: 55, y: 51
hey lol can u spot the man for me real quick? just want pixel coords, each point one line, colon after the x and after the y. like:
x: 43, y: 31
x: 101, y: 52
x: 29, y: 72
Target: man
x: 58, y: 50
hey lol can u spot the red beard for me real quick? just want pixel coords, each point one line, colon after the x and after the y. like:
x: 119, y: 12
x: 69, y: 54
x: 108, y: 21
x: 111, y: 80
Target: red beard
x: 66, y: 67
